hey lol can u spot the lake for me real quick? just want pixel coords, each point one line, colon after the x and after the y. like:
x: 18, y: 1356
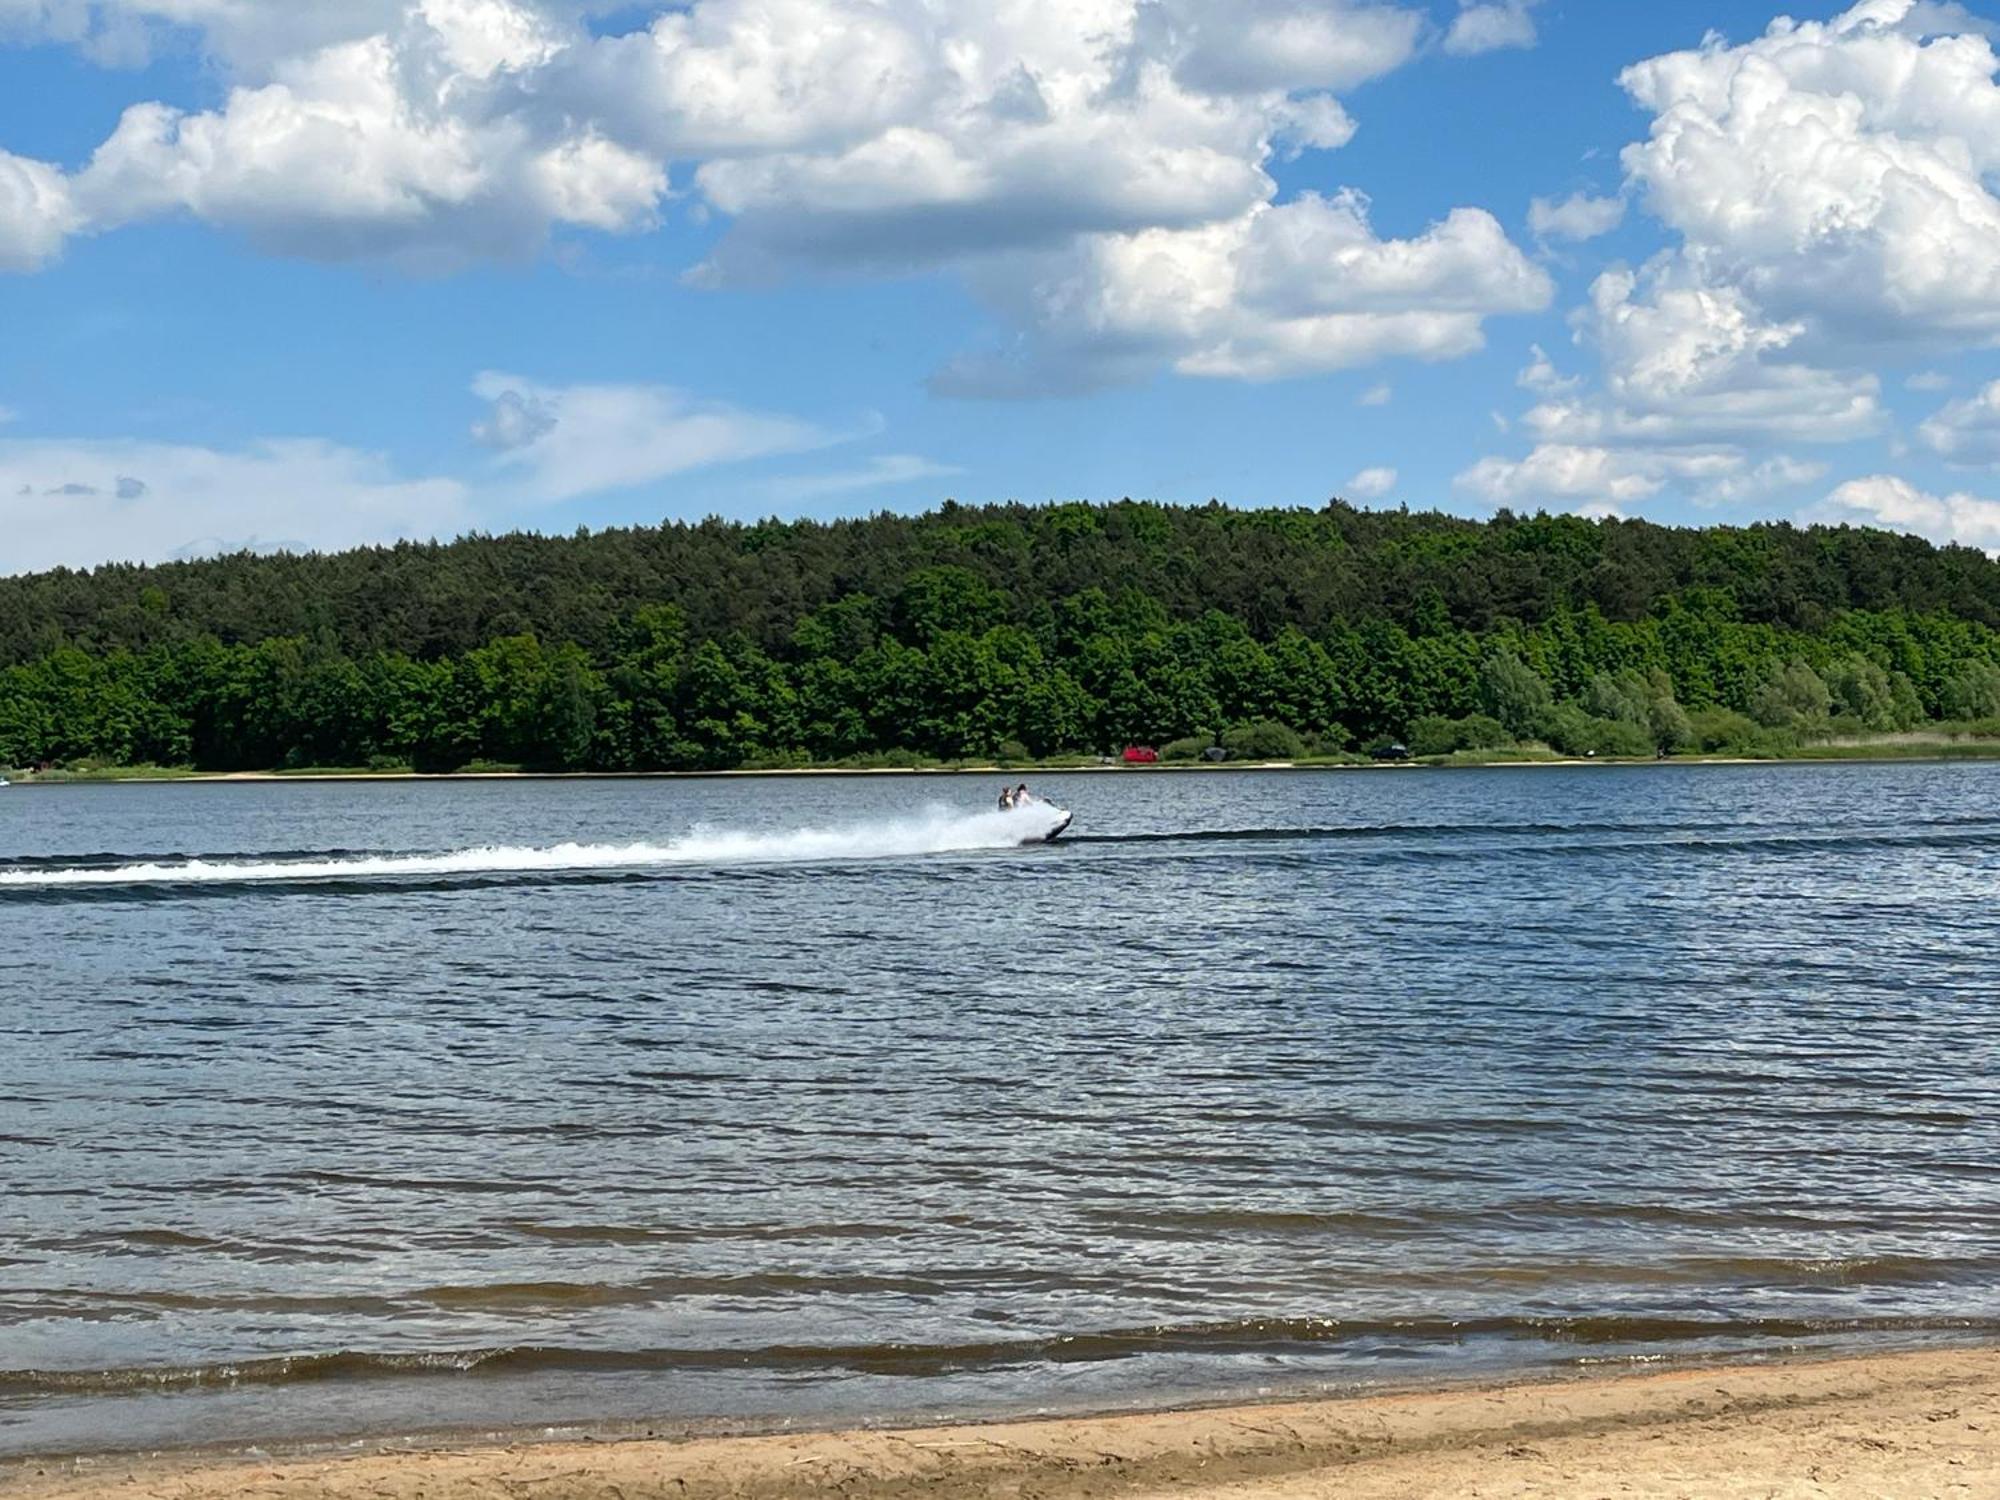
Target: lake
x: 420, y: 1105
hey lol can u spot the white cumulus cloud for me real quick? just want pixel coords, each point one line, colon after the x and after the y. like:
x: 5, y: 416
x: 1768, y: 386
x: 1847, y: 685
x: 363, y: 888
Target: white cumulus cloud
x: 1718, y: 474
x: 1836, y: 172
x: 1691, y: 361
x: 1577, y: 217
x: 37, y: 213
x: 1830, y: 189
x: 1065, y: 154
x: 1287, y: 289
x: 1966, y: 432
x: 1370, y: 484
x: 1489, y: 25
x: 1564, y: 471
x: 397, y: 145
x: 1889, y: 501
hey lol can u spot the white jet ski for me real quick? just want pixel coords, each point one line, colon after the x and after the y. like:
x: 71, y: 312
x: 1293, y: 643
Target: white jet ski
x: 1056, y: 832
x: 1045, y: 819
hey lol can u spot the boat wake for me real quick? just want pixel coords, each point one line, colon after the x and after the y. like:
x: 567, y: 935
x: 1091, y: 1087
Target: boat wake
x: 938, y: 830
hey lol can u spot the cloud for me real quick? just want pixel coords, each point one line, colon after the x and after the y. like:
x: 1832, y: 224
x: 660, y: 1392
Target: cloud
x: 990, y: 128
x: 383, y: 147
x: 883, y: 472
x: 1379, y: 394
x: 1884, y: 500
x: 1828, y: 185
x: 1695, y: 385
x: 833, y: 133
x: 515, y: 420
x: 1928, y: 380
x: 1287, y: 289
x: 562, y: 442
x: 79, y: 502
x: 1619, y: 474
x: 1370, y: 484
x: 1489, y: 25
x: 1260, y: 46
x: 1578, y: 217
x: 1773, y: 476
x: 247, y: 33
x: 1837, y: 173
x: 1540, y: 375
x: 86, y: 501
x: 1690, y: 360
x: 1558, y: 471
x: 1063, y: 154
x: 37, y: 213
x: 1966, y: 432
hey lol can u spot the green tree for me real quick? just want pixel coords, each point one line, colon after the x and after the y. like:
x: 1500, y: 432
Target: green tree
x: 1514, y: 693
x: 1972, y: 692
x: 1859, y: 689
x: 1790, y: 697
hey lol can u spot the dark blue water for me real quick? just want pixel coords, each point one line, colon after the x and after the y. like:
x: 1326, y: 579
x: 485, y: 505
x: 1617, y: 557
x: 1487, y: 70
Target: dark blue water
x: 1256, y: 1082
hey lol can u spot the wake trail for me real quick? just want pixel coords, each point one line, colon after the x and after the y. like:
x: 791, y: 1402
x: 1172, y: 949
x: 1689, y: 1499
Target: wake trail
x: 937, y: 831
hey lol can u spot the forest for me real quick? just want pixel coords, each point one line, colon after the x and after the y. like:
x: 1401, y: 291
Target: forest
x: 1012, y: 632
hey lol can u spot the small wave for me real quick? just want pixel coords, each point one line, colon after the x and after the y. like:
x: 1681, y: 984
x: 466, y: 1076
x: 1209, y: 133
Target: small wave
x: 1295, y: 1336
x: 937, y: 831
x: 1676, y: 830
x: 1449, y: 843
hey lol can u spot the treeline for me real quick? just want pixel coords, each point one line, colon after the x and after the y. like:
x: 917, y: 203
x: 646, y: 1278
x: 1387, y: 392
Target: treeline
x: 1004, y: 631
x: 1268, y: 568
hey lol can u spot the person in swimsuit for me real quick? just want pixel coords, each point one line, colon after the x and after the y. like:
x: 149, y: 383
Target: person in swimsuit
x: 1006, y: 799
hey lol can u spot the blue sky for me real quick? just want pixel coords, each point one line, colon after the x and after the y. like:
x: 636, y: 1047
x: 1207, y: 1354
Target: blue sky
x: 283, y: 274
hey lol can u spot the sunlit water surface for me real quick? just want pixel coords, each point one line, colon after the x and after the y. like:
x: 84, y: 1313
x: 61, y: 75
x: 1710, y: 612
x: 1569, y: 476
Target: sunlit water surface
x: 332, y: 1109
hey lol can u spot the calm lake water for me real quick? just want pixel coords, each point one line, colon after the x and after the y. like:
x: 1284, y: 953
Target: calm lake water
x: 772, y: 1100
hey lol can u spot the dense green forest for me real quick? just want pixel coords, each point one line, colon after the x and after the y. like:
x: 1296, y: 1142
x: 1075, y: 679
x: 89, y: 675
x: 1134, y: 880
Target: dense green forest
x: 1010, y: 630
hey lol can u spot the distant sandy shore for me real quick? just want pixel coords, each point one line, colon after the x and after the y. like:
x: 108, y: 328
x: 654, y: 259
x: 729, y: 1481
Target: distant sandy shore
x: 1907, y: 1426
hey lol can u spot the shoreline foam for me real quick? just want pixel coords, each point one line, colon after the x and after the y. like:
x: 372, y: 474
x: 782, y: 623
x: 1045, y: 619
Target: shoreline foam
x: 1925, y: 1423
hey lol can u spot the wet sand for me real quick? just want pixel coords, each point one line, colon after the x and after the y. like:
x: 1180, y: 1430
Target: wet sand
x: 1907, y: 1426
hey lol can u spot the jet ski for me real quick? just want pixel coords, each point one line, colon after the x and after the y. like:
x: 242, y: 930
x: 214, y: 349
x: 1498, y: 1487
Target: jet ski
x: 1056, y: 832
x: 1040, y: 814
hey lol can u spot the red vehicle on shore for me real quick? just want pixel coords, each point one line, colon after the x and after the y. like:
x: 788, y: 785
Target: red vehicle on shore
x: 1141, y: 755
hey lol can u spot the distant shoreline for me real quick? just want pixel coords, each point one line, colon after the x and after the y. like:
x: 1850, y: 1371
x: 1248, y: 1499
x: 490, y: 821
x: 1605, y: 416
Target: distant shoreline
x: 1867, y: 1425
x: 1938, y: 753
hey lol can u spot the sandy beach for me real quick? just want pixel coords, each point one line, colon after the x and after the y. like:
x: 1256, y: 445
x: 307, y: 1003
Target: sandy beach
x: 1907, y: 1425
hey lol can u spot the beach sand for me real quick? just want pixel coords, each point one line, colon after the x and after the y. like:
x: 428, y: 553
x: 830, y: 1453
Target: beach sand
x: 1903, y: 1426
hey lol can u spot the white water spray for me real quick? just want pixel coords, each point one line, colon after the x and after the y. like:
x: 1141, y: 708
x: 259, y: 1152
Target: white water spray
x: 938, y: 831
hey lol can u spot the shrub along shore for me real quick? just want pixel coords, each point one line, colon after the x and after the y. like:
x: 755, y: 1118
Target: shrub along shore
x: 1012, y: 636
